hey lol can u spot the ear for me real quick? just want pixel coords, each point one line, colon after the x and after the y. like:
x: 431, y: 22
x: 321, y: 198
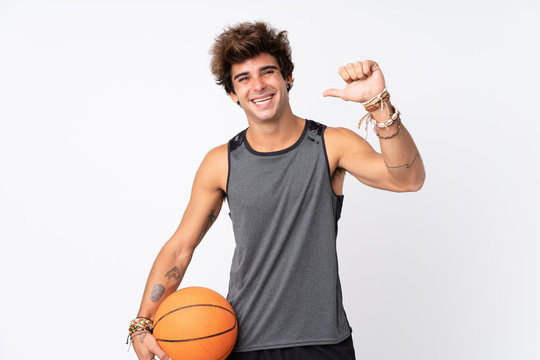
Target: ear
x: 289, y: 81
x: 233, y: 97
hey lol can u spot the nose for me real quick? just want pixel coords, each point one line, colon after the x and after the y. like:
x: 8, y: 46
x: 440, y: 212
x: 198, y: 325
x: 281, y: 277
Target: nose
x: 258, y: 84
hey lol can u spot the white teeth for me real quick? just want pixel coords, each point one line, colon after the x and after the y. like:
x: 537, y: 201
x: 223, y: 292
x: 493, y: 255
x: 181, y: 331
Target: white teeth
x: 262, y: 100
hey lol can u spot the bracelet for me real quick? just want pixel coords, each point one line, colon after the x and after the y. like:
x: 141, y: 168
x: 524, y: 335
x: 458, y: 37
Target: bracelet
x: 381, y: 125
x: 379, y: 103
x: 140, y: 324
x: 394, y: 134
x: 390, y: 121
x: 377, y: 97
x: 376, y: 102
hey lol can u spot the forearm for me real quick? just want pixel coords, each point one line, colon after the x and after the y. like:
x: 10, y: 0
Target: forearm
x: 165, y: 277
x: 400, y: 154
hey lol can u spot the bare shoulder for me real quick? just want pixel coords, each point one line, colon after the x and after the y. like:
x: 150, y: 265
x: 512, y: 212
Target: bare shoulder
x: 336, y: 133
x: 347, y: 150
x: 339, y: 140
x: 214, y: 168
x: 217, y: 154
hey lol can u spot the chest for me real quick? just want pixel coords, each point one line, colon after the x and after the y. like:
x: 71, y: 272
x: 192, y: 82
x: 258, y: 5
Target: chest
x: 262, y: 183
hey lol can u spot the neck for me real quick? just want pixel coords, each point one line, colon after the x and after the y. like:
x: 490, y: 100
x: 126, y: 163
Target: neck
x: 274, y: 135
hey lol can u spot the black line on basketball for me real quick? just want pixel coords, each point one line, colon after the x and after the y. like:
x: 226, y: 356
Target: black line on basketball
x: 190, y: 306
x: 201, y: 338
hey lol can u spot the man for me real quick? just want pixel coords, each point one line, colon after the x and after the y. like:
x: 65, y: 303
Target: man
x: 283, y: 179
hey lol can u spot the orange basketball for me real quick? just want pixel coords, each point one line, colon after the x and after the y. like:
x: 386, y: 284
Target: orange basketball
x: 196, y: 323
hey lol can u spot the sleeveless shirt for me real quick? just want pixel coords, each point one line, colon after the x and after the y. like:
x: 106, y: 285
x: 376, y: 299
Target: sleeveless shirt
x: 284, y: 284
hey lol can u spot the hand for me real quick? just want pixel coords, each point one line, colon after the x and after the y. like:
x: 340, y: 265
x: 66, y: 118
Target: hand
x: 147, y: 348
x: 364, y: 81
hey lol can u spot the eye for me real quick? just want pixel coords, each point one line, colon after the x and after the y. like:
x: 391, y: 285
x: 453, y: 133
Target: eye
x: 267, y: 72
x: 243, y: 78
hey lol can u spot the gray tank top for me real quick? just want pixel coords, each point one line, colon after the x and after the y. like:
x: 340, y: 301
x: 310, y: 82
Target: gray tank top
x: 284, y: 283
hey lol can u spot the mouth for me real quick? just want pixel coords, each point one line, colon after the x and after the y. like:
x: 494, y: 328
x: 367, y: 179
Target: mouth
x: 263, y: 100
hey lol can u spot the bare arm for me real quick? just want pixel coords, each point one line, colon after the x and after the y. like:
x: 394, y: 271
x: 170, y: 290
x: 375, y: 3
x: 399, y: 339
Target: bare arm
x: 348, y: 151
x: 400, y: 166
x: 172, y: 261
x: 402, y: 160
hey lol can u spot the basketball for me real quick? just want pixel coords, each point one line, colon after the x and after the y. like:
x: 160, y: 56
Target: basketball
x: 196, y: 323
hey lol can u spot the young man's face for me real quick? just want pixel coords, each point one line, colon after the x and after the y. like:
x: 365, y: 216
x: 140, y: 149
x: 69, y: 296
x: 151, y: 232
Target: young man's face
x: 260, y: 88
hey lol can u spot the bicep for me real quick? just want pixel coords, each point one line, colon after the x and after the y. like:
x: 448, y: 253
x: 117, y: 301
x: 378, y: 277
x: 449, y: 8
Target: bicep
x: 369, y: 168
x: 356, y: 156
x: 204, y: 205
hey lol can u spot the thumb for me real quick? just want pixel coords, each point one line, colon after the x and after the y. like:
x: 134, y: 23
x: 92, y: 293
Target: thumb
x: 334, y: 93
x: 161, y: 354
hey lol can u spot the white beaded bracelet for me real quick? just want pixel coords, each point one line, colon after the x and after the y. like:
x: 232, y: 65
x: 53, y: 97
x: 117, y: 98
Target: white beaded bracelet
x: 389, y: 121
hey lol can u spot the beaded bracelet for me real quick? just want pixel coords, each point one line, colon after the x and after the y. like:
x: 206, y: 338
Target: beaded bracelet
x: 394, y: 134
x: 381, y: 125
x: 390, y: 121
x: 374, y: 104
x: 139, y: 324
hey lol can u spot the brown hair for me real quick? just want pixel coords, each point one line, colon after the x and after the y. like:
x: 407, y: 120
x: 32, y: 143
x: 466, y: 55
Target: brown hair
x: 245, y: 41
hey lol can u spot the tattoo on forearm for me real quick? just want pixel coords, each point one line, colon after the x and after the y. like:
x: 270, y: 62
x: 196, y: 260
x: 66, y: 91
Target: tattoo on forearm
x: 209, y: 221
x: 174, y: 273
x: 157, y: 292
x: 408, y: 166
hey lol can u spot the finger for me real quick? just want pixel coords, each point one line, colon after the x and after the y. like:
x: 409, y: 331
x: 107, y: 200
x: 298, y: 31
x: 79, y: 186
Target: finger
x: 373, y: 66
x: 345, y: 74
x: 360, y: 70
x: 368, y: 67
x: 352, y: 72
x: 340, y: 93
x: 160, y: 353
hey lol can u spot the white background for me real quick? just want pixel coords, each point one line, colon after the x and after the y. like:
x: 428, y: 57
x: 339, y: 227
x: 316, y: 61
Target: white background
x: 108, y: 107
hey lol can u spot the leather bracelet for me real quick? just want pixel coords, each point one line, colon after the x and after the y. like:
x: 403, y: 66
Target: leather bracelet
x: 379, y: 101
x: 376, y: 98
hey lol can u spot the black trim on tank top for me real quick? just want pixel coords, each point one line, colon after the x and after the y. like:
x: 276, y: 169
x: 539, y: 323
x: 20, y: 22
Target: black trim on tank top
x: 316, y: 128
x: 236, y: 141
x: 339, y: 204
x: 339, y: 207
x: 233, y: 144
x: 279, y: 152
x: 328, y: 163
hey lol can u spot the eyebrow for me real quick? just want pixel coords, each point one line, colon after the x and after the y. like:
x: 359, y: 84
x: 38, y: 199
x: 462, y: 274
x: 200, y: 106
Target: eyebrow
x: 261, y: 69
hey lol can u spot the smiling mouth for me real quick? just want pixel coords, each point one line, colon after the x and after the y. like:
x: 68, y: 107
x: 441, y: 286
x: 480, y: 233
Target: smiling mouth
x: 263, y: 100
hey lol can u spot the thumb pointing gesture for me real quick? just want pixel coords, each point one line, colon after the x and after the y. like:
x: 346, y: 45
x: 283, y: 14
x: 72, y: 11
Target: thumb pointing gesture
x: 340, y: 93
x: 364, y: 81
